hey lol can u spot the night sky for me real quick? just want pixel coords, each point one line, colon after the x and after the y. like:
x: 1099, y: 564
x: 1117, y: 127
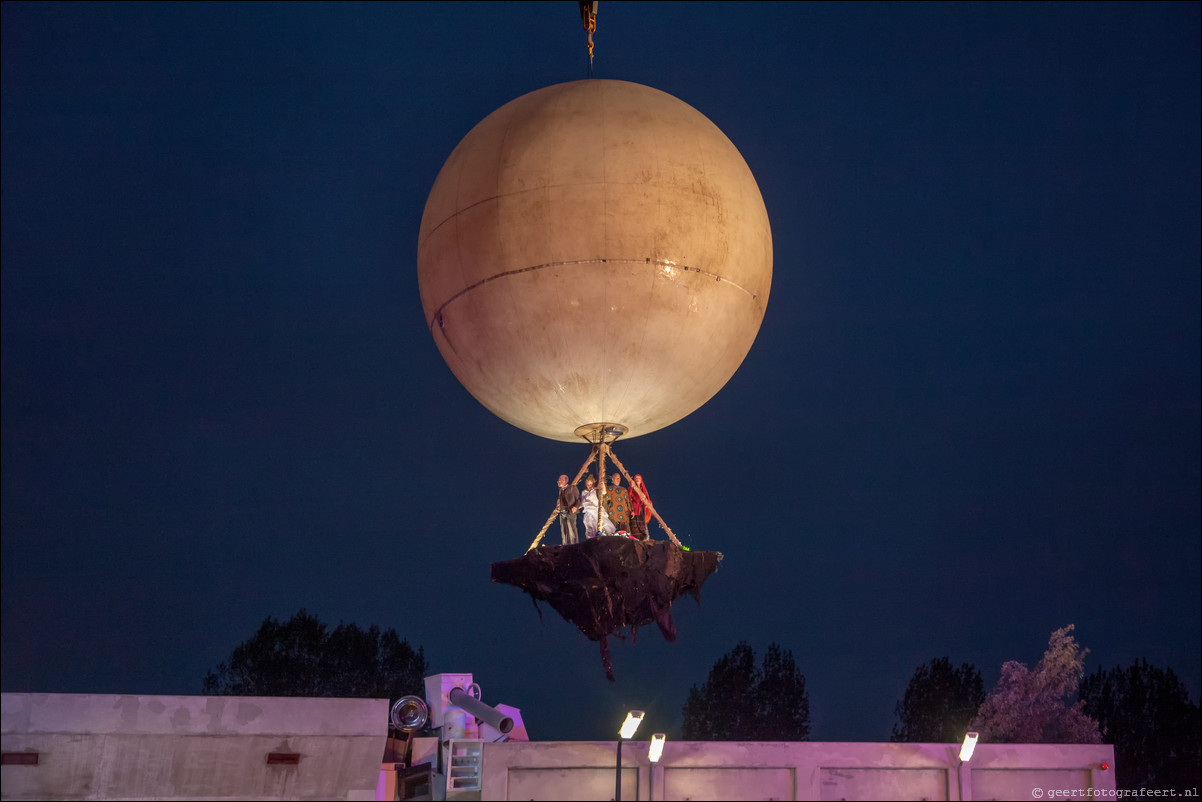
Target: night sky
x: 971, y: 415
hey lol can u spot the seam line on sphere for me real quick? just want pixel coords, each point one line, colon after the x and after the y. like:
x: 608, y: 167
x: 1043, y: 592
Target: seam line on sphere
x: 576, y: 262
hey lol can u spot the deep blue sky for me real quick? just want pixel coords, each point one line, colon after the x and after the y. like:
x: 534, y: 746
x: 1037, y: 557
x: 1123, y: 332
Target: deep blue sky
x: 971, y: 415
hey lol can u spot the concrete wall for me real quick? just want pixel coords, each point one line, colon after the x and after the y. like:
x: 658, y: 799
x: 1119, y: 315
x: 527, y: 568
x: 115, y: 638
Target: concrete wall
x: 780, y: 771
x: 194, y: 747
x: 190, y: 747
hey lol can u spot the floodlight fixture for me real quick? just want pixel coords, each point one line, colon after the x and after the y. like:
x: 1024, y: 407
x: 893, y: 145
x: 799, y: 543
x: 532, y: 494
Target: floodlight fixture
x: 657, y: 747
x: 409, y: 713
x: 633, y: 719
x: 966, y: 749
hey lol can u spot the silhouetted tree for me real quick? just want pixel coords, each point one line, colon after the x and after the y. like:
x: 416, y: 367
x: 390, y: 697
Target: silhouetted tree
x: 939, y: 703
x: 1154, y: 725
x: 301, y: 657
x: 742, y: 703
x: 1033, y: 706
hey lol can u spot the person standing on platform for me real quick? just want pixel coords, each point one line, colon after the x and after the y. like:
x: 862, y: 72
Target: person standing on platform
x: 568, y: 506
x: 616, y: 501
x: 640, y: 511
x: 594, y: 517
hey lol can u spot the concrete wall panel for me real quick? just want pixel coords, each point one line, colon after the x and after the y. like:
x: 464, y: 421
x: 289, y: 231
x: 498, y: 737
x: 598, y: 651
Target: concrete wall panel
x: 884, y: 783
x: 1018, y: 783
x: 729, y: 783
x: 98, y: 746
x: 552, y: 784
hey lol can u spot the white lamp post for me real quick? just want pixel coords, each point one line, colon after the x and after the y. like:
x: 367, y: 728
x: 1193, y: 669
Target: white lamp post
x: 653, y: 754
x: 966, y: 750
x: 633, y: 719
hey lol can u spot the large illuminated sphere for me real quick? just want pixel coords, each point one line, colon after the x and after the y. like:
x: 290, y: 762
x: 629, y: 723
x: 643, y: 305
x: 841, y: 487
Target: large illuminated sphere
x: 594, y: 252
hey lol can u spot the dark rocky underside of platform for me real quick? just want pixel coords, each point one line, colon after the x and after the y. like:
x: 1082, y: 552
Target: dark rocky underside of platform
x: 607, y: 583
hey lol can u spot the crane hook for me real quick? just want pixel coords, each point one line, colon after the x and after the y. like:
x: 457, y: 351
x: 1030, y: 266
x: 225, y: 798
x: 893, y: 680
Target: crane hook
x: 588, y: 15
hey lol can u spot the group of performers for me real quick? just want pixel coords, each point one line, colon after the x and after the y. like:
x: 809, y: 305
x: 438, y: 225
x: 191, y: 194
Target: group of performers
x: 620, y: 511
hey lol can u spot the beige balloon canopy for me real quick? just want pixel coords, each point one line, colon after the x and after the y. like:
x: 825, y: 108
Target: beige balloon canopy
x: 594, y: 252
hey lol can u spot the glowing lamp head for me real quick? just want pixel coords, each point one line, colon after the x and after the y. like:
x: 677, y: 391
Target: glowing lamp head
x: 633, y: 719
x: 657, y: 747
x: 969, y: 745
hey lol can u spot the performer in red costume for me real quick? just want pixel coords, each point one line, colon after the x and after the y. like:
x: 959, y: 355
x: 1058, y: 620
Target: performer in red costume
x: 640, y: 511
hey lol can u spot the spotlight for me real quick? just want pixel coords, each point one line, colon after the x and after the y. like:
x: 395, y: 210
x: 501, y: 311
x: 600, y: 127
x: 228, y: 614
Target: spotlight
x: 970, y: 744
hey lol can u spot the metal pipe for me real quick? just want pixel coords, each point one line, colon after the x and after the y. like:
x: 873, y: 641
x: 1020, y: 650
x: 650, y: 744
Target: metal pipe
x: 489, y: 715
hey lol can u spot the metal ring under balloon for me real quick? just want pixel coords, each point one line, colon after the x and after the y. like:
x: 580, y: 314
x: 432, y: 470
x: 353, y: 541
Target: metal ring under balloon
x: 601, y: 432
